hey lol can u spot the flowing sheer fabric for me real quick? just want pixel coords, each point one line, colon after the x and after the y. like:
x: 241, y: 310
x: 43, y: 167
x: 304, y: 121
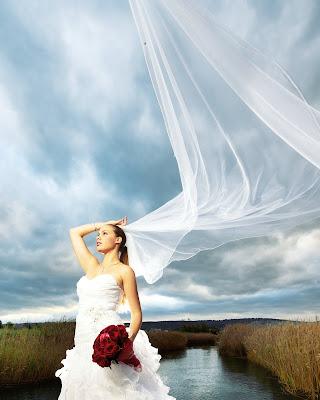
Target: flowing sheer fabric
x: 246, y: 142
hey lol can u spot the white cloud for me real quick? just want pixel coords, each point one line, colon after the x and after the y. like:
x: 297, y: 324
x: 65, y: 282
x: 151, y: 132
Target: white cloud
x: 294, y: 257
x: 154, y: 301
x: 93, y: 53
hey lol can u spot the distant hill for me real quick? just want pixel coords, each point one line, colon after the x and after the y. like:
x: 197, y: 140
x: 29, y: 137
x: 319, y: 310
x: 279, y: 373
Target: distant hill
x: 176, y: 325
x: 213, y: 324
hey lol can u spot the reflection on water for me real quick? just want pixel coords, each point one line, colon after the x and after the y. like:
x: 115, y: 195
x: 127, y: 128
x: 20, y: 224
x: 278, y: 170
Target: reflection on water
x: 195, y: 373
x: 200, y: 373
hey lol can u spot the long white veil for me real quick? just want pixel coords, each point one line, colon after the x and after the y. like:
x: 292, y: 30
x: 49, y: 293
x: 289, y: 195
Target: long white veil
x: 240, y: 179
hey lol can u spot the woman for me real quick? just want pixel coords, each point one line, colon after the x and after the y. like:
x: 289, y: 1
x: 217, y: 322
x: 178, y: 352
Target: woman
x: 103, y: 287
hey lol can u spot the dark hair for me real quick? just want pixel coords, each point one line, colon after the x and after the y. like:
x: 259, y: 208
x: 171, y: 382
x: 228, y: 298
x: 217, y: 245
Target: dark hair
x: 123, y: 251
x: 123, y: 248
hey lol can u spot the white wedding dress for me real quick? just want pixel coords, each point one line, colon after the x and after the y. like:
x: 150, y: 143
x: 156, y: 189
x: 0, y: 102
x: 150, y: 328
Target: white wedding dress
x: 83, y: 379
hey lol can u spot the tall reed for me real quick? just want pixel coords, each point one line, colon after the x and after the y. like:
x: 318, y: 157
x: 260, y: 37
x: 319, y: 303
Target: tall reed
x: 290, y: 350
x: 32, y: 355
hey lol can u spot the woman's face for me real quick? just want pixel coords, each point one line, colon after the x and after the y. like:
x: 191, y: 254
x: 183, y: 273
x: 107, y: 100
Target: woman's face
x: 106, y: 239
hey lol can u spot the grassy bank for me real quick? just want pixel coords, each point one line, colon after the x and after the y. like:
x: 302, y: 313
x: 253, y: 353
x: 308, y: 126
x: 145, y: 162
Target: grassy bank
x: 291, y: 351
x: 32, y: 355
x: 178, y: 340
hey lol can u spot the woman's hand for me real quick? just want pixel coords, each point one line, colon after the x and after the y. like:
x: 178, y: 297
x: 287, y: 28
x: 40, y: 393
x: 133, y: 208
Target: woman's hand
x: 120, y: 222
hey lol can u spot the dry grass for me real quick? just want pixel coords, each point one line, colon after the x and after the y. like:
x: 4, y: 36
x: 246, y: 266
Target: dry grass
x: 32, y: 355
x: 290, y: 350
x: 231, y: 339
x: 167, y: 340
x: 200, y: 338
x: 176, y: 340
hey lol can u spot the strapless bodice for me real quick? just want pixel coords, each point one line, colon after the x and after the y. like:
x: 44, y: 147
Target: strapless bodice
x: 98, y: 303
x: 101, y: 291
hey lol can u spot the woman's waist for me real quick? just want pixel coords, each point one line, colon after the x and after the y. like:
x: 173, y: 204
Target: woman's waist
x: 97, y: 307
x: 96, y: 317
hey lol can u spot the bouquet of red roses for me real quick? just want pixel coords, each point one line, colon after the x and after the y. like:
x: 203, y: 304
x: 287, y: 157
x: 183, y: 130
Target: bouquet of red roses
x: 113, y: 344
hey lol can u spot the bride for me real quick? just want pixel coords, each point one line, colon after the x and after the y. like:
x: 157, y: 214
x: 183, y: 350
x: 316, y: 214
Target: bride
x: 101, y: 290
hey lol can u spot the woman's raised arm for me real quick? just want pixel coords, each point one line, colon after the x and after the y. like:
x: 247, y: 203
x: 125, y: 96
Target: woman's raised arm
x: 86, y: 259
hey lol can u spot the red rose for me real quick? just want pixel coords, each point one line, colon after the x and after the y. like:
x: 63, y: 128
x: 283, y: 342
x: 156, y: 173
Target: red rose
x: 127, y: 356
x: 123, y: 331
x: 102, y: 361
x: 113, y: 344
x: 113, y: 331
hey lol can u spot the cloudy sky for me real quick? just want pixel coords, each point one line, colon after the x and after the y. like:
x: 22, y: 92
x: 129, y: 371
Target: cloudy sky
x: 83, y: 140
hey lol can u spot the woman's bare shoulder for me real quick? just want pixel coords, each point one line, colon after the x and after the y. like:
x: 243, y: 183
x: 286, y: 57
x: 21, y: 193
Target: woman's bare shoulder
x: 126, y: 269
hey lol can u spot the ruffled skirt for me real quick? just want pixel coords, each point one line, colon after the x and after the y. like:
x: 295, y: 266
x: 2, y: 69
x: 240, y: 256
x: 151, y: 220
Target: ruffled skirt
x: 83, y: 379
